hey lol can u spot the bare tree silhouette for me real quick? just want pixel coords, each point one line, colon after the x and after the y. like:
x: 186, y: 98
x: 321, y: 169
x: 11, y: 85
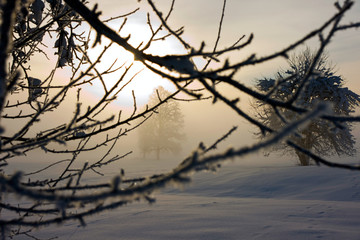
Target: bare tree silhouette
x: 28, y: 104
x: 163, y: 132
x: 323, y: 137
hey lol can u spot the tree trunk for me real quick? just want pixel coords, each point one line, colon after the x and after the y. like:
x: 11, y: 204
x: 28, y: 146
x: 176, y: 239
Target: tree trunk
x: 307, y: 143
x: 303, y: 158
x: 158, y: 152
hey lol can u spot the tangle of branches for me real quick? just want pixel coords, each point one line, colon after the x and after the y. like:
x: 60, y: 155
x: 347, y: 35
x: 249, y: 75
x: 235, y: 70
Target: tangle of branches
x: 26, y: 103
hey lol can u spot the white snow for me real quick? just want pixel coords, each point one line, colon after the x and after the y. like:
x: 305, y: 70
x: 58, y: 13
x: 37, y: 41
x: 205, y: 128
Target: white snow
x: 241, y: 201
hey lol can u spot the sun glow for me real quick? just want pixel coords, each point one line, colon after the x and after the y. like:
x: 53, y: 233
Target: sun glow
x: 138, y: 80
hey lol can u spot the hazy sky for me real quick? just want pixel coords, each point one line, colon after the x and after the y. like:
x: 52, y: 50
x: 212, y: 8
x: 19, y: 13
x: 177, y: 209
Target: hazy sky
x: 275, y: 25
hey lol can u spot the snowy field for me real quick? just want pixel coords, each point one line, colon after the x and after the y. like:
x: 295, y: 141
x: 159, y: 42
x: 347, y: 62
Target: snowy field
x: 241, y: 201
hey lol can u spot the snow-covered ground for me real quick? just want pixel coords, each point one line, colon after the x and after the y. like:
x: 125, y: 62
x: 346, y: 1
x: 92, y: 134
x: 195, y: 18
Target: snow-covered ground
x: 239, y: 202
